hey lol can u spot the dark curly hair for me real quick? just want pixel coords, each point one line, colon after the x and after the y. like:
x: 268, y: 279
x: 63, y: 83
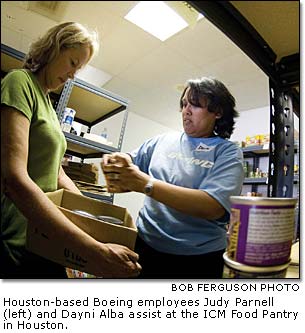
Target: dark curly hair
x: 218, y: 99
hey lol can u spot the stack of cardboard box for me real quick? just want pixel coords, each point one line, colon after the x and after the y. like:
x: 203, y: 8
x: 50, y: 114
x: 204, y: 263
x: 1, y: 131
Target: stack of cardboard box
x: 82, y: 171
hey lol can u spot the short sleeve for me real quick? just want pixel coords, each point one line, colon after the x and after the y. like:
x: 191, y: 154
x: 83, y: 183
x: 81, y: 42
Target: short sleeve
x: 142, y: 155
x: 226, y: 176
x: 17, y: 92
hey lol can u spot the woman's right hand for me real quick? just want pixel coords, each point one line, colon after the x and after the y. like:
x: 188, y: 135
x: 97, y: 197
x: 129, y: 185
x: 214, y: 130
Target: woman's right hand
x: 122, y: 175
x: 115, y: 261
x: 119, y: 159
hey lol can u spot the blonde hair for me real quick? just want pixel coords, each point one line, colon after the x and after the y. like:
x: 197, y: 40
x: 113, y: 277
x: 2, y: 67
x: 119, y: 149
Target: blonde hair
x: 56, y: 39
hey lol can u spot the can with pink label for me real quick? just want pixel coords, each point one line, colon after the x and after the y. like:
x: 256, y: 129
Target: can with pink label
x: 261, y: 230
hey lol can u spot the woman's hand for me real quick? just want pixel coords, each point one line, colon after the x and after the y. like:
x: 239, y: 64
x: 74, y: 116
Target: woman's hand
x: 118, y: 159
x: 122, y: 175
x: 115, y: 261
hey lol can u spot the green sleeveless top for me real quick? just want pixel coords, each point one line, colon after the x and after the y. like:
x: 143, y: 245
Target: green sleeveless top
x: 21, y: 90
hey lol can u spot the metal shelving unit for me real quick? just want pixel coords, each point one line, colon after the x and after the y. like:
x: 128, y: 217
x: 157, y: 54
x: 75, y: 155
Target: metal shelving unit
x: 239, y: 21
x: 93, y: 105
x: 100, y: 197
x: 256, y: 152
x: 85, y: 148
x: 252, y: 151
x: 283, y: 75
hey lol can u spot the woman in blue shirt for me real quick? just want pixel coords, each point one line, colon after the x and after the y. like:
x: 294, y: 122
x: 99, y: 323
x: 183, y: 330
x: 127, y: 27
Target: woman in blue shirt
x: 188, y: 179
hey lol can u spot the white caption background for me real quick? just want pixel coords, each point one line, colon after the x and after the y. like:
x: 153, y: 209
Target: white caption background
x: 192, y: 306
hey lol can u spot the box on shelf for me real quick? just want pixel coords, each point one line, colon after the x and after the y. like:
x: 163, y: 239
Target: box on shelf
x: 253, y: 140
x: 87, y: 172
x: 67, y: 201
x: 257, y: 140
x: 264, y: 139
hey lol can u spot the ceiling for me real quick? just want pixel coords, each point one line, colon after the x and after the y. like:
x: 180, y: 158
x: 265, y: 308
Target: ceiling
x: 150, y: 73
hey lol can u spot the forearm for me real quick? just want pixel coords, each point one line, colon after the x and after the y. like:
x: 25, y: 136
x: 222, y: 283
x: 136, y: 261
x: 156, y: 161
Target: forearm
x: 128, y: 177
x: 66, y: 182
x: 188, y: 201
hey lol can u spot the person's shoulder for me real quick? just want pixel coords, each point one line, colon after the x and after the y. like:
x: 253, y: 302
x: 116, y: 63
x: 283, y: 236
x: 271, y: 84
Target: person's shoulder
x: 18, y: 75
x: 18, y: 72
x: 230, y: 146
x: 226, y: 142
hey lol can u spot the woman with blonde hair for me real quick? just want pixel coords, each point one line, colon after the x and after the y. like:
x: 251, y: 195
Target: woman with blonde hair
x: 32, y: 146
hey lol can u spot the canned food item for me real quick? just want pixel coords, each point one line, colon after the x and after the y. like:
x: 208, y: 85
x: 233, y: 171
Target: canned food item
x: 105, y: 218
x: 237, y: 270
x: 110, y: 219
x: 261, y: 230
x: 84, y: 213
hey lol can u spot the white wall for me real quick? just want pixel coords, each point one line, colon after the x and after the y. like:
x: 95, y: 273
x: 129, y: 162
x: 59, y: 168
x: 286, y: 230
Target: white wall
x: 252, y: 122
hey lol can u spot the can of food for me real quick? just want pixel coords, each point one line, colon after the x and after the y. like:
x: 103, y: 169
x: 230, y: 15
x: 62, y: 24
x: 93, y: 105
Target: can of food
x: 236, y: 270
x: 261, y: 230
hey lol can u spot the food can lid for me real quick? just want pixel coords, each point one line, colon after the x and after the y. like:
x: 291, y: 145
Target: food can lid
x: 264, y: 201
x: 253, y: 269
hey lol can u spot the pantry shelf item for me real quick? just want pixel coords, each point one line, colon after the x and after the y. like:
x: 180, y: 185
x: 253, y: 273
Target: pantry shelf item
x: 253, y: 156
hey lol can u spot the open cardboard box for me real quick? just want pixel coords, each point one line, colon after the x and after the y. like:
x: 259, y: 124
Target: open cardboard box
x: 105, y: 232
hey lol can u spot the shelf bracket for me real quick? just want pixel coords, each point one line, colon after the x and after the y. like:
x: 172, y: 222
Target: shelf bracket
x: 281, y: 151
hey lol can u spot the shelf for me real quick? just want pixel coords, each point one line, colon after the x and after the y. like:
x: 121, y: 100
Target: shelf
x: 250, y: 181
x: 84, y: 148
x: 93, y: 104
x: 251, y: 151
x: 105, y: 198
x: 9, y: 62
x: 262, y: 150
x: 263, y: 181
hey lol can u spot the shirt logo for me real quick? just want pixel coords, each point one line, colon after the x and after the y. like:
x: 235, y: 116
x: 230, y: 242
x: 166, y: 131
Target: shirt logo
x: 203, y: 147
x: 191, y: 160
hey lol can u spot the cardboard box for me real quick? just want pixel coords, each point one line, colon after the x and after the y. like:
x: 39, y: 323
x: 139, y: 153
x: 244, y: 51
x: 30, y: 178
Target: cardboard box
x: 67, y: 201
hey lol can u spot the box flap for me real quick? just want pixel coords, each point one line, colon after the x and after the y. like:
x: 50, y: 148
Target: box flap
x: 56, y: 196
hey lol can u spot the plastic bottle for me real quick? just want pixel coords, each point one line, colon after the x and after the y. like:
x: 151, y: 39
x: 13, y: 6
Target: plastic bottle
x: 68, y: 120
x: 104, y: 133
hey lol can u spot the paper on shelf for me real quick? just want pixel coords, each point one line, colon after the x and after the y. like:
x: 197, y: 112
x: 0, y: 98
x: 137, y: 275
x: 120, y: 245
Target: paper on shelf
x: 97, y: 138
